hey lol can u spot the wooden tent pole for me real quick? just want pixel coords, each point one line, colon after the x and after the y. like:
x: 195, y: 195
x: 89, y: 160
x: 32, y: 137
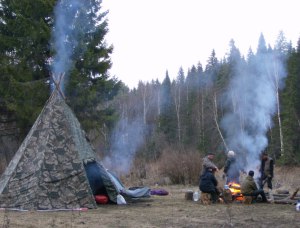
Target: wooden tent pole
x: 57, y: 84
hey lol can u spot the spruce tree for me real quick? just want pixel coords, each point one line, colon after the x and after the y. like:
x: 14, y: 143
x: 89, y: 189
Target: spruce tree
x: 27, y: 54
x: 82, y: 54
x: 167, y: 118
x: 291, y: 111
x: 25, y: 28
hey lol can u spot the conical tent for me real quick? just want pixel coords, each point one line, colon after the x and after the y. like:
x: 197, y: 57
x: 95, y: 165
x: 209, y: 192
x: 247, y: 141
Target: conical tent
x: 47, y: 171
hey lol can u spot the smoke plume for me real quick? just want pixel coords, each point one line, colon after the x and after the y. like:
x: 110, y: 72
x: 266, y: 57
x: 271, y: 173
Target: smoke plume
x: 251, y: 103
x: 126, y: 139
x: 68, y: 28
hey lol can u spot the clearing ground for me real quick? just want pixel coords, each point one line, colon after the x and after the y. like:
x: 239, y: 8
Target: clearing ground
x: 172, y: 210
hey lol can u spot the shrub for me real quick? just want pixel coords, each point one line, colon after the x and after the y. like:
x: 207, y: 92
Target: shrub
x: 182, y: 167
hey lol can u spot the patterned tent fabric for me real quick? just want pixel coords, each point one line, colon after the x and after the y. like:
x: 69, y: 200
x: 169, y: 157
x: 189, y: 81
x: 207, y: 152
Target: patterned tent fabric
x: 47, y: 171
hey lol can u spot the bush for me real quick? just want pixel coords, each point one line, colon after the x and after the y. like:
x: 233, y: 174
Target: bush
x: 182, y: 167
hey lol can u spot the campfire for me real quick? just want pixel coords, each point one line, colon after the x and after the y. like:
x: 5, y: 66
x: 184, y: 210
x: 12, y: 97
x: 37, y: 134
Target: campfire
x: 235, y: 190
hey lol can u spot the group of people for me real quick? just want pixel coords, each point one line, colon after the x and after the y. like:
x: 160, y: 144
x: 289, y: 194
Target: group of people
x: 209, y: 184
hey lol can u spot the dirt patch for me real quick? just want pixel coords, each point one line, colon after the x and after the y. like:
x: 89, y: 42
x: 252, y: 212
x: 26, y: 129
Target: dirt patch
x: 161, y: 211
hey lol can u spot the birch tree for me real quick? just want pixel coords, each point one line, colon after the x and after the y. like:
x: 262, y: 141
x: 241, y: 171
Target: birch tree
x: 177, y: 100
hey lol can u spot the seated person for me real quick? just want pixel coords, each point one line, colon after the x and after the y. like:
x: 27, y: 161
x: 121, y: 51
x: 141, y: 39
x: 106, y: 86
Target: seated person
x: 249, y: 188
x: 208, y: 184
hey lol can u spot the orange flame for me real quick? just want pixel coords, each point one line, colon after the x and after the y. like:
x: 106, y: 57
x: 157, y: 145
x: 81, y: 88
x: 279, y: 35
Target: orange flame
x: 235, y: 190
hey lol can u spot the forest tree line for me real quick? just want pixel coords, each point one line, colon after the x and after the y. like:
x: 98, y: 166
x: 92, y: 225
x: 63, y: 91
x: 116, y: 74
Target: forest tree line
x: 183, y: 115
x: 191, y: 111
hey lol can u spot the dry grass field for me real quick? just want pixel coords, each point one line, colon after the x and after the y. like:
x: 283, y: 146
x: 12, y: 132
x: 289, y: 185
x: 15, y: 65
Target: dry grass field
x: 172, y: 210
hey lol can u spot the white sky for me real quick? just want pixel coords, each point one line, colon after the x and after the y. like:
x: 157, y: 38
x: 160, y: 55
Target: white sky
x: 152, y: 36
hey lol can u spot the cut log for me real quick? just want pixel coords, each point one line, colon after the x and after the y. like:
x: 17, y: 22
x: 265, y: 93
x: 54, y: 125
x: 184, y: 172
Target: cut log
x: 227, y: 196
x: 189, y: 195
x: 247, y: 199
x: 205, y: 198
x: 286, y: 198
x: 282, y: 191
x: 285, y: 201
x: 289, y: 199
x: 278, y: 195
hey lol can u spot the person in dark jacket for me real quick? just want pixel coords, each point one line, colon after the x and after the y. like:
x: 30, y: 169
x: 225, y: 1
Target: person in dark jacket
x: 267, y: 171
x: 208, y: 184
x: 249, y: 188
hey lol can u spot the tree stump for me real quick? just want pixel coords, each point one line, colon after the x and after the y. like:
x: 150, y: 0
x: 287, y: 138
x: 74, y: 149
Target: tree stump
x: 227, y: 196
x: 205, y: 198
x: 189, y: 195
x: 247, y: 199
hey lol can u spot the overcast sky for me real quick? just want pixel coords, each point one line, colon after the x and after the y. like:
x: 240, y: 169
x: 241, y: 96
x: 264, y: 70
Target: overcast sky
x: 152, y: 36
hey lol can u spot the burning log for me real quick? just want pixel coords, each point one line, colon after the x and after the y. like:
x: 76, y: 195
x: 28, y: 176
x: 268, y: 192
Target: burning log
x: 232, y: 192
x: 235, y: 189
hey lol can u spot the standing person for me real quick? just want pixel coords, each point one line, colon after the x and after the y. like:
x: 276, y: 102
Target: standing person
x: 267, y: 171
x: 231, y: 169
x: 249, y: 188
x: 207, y: 162
x: 208, y: 184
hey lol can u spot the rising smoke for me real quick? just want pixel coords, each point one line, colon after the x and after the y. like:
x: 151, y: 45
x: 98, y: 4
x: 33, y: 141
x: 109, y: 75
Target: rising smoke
x: 251, y: 104
x: 71, y: 23
x: 126, y: 139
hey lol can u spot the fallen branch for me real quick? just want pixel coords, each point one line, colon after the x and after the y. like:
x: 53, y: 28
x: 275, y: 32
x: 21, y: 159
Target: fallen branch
x: 294, y: 193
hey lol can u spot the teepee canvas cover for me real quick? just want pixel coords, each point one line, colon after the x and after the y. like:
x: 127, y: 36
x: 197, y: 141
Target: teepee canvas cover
x: 47, y: 172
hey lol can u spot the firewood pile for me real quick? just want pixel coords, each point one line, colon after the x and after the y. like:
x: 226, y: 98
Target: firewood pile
x: 285, y: 198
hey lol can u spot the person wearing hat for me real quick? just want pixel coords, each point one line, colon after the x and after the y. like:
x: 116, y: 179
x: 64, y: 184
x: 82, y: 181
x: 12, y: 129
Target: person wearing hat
x: 267, y: 171
x: 207, y: 162
x: 249, y: 188
x: 208, y: 184
x: 231, y: 169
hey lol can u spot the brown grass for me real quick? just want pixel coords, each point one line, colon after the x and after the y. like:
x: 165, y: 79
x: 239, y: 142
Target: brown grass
x: 169, y: 211
x: 161, y: 211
